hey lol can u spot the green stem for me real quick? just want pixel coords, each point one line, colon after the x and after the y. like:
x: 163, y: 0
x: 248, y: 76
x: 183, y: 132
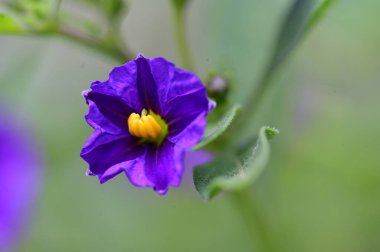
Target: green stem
x: 114, y: 51
x: 106, y: 48
x: 180, y: 32
x: 238, y: 129
x: 253, y: 219
x: 251, y: 106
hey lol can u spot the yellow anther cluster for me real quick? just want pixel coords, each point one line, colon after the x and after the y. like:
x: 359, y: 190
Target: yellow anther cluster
x: 144, y: 126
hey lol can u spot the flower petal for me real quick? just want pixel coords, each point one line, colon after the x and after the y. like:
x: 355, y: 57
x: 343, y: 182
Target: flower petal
x: 107, y: 112
x: 136, y: 172
x: 102, y: 151
x: 191, y: 134
x: 163, y: 72
x: 163, y: 166
x: 182, y: 83
x: 115, y: 170
x: 147, y: 86
x: 183, y: 110
x: 122, y: 83
x: 184, y: 98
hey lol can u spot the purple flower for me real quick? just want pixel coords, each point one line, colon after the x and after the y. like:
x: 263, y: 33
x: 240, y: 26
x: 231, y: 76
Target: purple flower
x: 19, y: 179
x: 145, y: 117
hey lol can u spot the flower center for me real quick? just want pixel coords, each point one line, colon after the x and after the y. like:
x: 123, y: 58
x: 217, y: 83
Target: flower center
x: 147, y: 126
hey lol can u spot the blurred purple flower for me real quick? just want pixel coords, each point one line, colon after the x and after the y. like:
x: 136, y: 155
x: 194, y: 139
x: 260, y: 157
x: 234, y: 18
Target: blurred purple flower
x: 20, y: 177
x: 150, y: 147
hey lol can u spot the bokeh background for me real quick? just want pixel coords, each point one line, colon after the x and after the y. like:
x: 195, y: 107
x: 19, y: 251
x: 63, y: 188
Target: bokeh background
x: 321, y: 189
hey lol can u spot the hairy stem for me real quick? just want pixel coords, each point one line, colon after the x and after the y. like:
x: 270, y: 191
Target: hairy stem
x: 113, y: 50
x: 180, y: 33
x: 253, y: 219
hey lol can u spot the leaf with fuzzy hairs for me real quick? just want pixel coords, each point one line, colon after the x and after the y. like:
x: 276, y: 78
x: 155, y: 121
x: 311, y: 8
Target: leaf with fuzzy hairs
x: 225, y: 174
x: 220, y: 127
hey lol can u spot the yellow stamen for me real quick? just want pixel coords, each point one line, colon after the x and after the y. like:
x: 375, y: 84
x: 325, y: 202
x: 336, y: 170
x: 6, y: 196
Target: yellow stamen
x: 149, y: 128
x: 144, y: 126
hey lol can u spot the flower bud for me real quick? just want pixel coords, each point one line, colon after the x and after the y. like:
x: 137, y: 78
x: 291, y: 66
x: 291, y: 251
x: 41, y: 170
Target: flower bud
x: 218, y: 87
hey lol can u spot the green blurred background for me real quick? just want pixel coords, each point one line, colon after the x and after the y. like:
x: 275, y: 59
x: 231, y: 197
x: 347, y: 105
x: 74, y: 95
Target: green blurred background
x: 321, y: 189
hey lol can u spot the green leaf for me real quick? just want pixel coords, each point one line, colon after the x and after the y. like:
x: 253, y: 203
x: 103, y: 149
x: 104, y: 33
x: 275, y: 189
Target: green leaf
x: 291, y: 31
x: 8, y: 25
x: 301, y: 17
x: 318, y: 13
x: 219, y: 128
x: 225, y: 174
